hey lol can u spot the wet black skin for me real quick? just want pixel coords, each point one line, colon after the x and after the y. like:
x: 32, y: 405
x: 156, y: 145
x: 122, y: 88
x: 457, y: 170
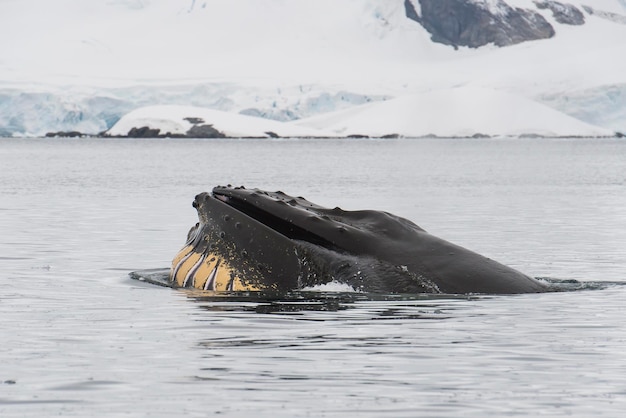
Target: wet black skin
x: 284, y: 242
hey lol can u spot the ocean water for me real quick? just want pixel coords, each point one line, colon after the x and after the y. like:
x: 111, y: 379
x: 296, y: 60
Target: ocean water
x: 79, y: 338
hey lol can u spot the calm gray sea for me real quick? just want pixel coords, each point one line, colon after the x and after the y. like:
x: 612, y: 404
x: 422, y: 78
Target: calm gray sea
x: 79, y: 338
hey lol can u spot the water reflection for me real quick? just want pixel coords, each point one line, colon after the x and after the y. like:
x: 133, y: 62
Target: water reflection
x: 340, y: 306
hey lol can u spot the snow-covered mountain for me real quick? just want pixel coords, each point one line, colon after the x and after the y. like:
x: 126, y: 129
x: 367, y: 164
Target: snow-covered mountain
x: 76, y: 65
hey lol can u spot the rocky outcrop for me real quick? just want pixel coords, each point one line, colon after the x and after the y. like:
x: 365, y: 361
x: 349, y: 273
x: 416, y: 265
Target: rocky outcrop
x: 144, y: 132
x: 566, y: 14
x: 475, y: 23
x: 194, y: 121
x: 196, y: 131
x: 204, y: 131
x: 410, y: 12
x: 613, y: 17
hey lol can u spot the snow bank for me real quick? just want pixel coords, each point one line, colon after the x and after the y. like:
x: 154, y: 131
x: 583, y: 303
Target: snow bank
x: 463, y: 111
x: 178, y: 120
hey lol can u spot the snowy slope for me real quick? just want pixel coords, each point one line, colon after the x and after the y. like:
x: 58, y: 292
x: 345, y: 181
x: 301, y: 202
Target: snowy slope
x: 138, y: 40
x: 178, y: 120
x: 459, y: 112
x: 72, y: 64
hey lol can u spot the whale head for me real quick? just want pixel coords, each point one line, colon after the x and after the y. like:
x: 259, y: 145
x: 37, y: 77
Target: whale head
x: 250, y: 239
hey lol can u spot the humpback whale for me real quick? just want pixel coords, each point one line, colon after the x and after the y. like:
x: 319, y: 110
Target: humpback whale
x: 253, y: 240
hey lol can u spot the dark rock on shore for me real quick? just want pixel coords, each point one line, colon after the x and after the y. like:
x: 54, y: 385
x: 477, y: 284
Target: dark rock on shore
x: 204, y: 131
x: 478, y: 135
x: 196, y: 131
x: 66, y: 134
x: 144, y: 132
x: 460, y: 23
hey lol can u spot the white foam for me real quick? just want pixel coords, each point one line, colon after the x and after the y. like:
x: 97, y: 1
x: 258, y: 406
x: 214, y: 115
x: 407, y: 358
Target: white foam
x: 333, y: 287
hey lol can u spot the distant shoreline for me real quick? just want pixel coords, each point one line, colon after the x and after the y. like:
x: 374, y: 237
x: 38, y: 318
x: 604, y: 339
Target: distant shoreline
x: 76, y: 134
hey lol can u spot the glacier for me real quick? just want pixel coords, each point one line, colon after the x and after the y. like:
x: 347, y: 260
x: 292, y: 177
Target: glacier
x: 35, y: 112
x: 82, y: 66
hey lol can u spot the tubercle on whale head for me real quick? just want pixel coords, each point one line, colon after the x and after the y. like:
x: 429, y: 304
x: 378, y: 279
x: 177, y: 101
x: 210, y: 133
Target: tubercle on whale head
x: 200, y: 204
